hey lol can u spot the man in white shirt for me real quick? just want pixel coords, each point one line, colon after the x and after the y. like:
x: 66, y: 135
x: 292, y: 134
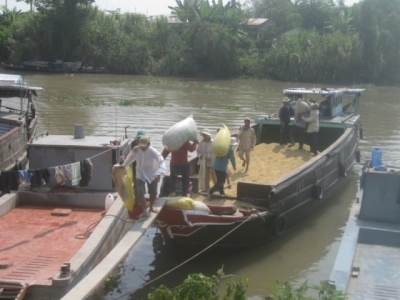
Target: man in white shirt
x: 206, y: 160
x: 247, y: 141
x: 150, y: 166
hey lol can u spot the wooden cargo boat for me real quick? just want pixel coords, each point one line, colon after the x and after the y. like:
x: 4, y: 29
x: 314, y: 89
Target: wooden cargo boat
x: 271, y: 197
x: 52, y: 235
x: 18, y: 120
x: 367, y: 264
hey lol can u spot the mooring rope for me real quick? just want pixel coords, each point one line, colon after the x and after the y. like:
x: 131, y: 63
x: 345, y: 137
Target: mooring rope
x: 191, y: 258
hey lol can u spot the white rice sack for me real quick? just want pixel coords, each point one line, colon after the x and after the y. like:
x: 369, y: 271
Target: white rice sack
x: 200, y: 206
x: 179, y: 134
x: 302, y: 107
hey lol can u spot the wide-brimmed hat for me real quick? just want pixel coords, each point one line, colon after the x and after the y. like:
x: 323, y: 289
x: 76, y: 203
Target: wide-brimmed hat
x: 205, y: 131
x: 315, y: 105
x: 139, y: 134
x: 247, y: 119
x: 233, y: 141
x: 285, y: 100
x: 144, y: 141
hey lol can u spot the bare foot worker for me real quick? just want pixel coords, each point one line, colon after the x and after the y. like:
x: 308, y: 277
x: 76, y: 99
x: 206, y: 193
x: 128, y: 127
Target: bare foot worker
x: 247, y: 141
x: 150, y: 166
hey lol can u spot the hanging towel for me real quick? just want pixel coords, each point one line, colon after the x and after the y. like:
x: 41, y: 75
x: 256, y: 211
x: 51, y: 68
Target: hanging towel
x: 68, y: 172
x: 36, y: 179
x: 9, y: 181
x: 24, y: 176
x: 45, y: 175
x: 76, y: 173
x: 59, y: 174
x: 86, y: 172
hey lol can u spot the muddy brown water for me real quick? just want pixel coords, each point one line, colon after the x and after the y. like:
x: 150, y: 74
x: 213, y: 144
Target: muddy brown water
x: 305, y: 253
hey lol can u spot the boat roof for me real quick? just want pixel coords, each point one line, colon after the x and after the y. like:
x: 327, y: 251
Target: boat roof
x: 15, y: 86
x: 69, y: 141
x: 322, y: 91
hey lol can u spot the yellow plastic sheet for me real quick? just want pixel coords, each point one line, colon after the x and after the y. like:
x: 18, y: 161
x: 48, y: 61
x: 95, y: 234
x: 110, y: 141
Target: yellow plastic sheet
x: 130, y: 177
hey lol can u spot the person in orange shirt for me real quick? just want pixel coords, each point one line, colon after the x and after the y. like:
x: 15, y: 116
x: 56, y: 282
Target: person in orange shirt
x: 179, y: 164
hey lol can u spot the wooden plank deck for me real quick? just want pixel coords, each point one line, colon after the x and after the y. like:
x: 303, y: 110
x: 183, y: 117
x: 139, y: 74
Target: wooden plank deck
x: 34, y: 243
x: 94, y: 279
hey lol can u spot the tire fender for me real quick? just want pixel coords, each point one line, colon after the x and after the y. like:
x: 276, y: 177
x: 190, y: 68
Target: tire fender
x: 358, y: 156
x: 279, y: 225
x: 318, y: 191
x: 342, y: 170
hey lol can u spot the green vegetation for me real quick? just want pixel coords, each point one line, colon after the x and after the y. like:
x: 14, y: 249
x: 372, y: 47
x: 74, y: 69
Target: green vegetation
x: 220, y: 286
x: 85, y: 101
x: 303, y: 40
x: 199, y: 286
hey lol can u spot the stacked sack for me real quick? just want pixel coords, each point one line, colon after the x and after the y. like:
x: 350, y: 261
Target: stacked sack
x: 221, y: 142
x: 179, y: 134
x: 302, y: 107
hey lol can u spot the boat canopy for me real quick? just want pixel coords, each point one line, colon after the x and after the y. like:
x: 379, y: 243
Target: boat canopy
x: 322, y: 91
x: 15, y: 86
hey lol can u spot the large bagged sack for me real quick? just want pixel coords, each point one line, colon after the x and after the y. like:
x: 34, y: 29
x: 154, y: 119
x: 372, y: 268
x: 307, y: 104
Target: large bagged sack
x: 221, y: 142
x: 123, y: 179
x: 301, y: 107
x: 184, y: 203
x: 179, y: 134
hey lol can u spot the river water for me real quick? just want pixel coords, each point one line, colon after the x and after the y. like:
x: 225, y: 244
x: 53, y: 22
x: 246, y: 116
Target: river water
x: 305, y: 253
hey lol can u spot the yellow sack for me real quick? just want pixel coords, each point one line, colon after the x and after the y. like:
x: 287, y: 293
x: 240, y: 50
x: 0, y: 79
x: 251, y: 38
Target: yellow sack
x: 130, y: 177
x: 184, y: 203
x: 221, y: 142
x: 123, y: 179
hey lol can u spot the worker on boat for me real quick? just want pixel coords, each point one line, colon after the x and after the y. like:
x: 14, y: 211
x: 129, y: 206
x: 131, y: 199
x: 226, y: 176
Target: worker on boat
x: 298, y: 130
x: 205, y: 161
x: 228, y: 176
x: 284, y: 117
x: 247, y: 141
x: 134, y: 143
x: 313, y: 128
x: 179, y: 165
x: 221, y: 168
x: 150, y: 166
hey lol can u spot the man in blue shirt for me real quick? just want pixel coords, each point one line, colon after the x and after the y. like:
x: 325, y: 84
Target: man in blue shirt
x: 221, y: 167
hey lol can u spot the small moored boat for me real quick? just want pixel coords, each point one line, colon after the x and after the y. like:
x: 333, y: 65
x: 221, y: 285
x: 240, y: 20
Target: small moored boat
x: 61, y: 223
x: 367, y: 264
x: 282, y: 186
x: 18, y: 120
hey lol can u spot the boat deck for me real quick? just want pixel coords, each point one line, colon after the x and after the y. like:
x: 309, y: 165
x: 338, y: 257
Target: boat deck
x: 36, y: 241
x: 367, y: 264
x: 378, y: 277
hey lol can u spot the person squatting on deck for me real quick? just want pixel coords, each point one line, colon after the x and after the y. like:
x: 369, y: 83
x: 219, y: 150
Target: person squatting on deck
x: 284, y: 117
x: 247, y: 141
x: 221, y: 169
x: 150, y: 166
x: 179, y: 164
x: 206, y: 160
x: 313, y: 128
x: 298, y: 130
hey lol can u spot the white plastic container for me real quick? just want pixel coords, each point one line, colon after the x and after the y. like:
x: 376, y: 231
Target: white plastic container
x: 108, y: 201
